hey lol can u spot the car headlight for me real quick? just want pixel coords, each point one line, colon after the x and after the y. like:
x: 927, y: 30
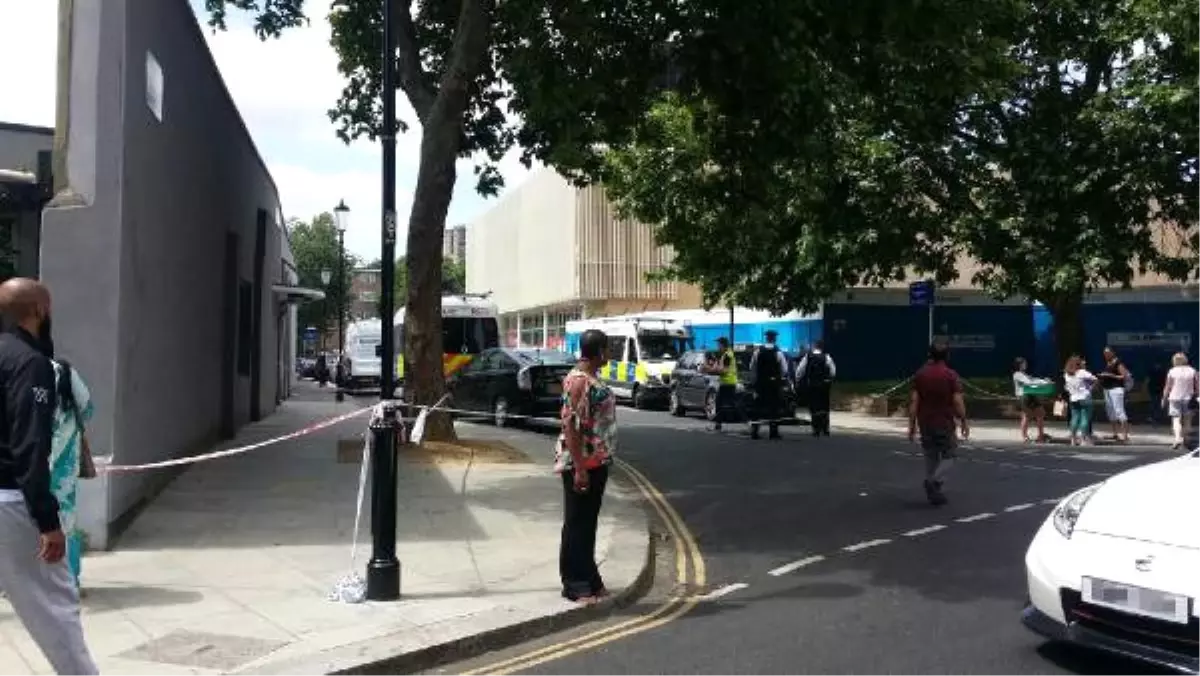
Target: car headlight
x: 1067, y: 513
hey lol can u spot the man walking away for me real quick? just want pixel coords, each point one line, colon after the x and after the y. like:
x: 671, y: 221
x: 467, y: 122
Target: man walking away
x: 33, y: 572
x: 768, y: 366
x: 816, y: 373
x: 934, y: 405
x: 725, y: 368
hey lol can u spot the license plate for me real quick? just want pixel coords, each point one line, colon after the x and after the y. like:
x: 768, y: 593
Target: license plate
x: 553, y: 388
x: 1136, y: 600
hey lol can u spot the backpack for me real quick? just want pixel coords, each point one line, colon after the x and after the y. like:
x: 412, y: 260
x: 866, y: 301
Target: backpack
x: 767, y: 364
x: 817, y: 369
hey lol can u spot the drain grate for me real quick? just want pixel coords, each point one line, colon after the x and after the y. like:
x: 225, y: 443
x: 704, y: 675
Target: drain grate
x: 219, y: 652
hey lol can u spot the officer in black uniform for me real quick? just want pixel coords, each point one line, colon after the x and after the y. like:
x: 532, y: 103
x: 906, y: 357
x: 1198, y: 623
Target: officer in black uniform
x: 816, y: 372
x: 768, y: 366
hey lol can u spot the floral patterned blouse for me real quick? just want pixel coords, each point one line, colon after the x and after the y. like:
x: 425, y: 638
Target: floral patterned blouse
x: 589, y: 406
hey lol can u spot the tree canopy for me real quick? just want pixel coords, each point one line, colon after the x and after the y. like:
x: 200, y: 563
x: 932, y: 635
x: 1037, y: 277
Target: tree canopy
x: 315, y: 249
x: 1060, y: 157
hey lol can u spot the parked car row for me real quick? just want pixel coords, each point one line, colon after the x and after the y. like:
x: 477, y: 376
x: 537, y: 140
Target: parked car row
x: 504, y: 383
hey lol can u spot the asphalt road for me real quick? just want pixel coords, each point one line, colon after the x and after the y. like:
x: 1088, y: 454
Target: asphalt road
x: 881, y: 582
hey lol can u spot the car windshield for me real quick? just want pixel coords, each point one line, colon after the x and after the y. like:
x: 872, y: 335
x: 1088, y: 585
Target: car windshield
x: 659, y: 346
x: 547, y: 357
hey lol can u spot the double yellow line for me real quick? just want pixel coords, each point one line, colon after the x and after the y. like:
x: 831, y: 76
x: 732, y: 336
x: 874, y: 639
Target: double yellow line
x: 687, y: 553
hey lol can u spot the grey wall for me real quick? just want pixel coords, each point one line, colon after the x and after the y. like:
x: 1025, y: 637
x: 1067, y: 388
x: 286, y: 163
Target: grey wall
x: 134, y: 245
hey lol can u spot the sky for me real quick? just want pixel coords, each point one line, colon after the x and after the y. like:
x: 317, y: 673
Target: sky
x: 283, y: 88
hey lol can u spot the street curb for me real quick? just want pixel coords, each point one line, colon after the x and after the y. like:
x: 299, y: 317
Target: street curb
x: 362, y: 657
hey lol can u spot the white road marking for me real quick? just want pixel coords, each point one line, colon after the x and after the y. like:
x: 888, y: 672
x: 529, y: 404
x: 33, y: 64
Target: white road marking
x: 864, y: 545
x: 976, y: 517
x: 727, y: 589
x: 1017, y: 508
x: 923, y: 531
x: 1052, y: 501
x: 795, y: 565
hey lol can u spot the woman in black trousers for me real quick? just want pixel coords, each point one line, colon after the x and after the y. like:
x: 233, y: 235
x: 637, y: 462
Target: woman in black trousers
x: 583, y: 454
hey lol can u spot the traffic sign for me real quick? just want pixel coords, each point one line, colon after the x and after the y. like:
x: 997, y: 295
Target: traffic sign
x: 310, y: 333
x: 921, y: 293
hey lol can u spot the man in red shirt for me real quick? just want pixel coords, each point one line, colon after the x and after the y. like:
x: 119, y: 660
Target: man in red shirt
x: 936, y: 403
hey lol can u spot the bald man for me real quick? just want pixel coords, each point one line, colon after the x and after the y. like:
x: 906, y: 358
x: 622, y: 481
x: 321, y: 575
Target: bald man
x: 33, y: 571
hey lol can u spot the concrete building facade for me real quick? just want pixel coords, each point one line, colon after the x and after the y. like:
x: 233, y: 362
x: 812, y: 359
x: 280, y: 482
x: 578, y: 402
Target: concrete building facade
x: 364, y: 294
x: 550, y: 252
x: 26, y: 184
x: 164, y: 248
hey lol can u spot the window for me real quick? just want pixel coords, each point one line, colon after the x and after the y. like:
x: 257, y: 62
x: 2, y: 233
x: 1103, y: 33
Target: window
x: 616, y: 348
x: 461, y: 335
x: 661, y: 346
x: 633, y: 352
x: 245, y: 326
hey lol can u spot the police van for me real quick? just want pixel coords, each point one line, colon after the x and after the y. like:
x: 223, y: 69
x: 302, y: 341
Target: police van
x: 469, y: 326
x: 360, y: 356
x: 642, y: 351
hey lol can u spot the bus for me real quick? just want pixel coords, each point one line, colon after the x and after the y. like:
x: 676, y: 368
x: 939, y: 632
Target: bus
x: 469, y: 326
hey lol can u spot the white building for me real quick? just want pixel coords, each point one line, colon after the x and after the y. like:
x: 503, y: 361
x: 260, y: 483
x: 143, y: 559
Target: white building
x: 551, y: 252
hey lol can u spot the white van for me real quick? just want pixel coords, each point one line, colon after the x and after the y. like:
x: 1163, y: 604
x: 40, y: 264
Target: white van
x: 642, y: 351
x: 360, y: 363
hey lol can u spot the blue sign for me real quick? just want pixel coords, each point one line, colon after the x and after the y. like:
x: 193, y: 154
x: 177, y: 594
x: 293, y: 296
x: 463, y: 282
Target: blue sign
x: 310, y: 333
x: 921, y: 293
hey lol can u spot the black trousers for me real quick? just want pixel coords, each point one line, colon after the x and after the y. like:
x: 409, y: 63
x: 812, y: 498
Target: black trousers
x: 768, y: 402
x: 727, y: 405
x: 818, y: 407
x: 577, y: 552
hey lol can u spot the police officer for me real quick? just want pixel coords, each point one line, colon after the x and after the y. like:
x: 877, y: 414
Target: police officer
x: 816, y: 372
x: 725, y: 368
x: 768, y: 366
x: 33, y: 570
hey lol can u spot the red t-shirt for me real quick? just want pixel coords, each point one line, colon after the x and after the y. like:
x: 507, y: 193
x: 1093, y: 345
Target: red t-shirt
x: 936, y: 384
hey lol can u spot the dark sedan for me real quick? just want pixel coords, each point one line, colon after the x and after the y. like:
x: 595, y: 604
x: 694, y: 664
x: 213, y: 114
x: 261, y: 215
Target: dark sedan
x: 505, y: 383
x: 694, y: 390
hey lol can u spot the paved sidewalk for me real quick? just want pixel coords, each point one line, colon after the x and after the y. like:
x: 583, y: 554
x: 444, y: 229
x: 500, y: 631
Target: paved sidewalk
x: 229, y: 569
x: 989, y: 431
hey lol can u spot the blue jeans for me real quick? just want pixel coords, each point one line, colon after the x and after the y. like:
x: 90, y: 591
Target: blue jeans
x: 1081, y: 418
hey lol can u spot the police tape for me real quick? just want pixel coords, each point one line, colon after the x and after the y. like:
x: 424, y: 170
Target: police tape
x: 176, y: 462
x: 508, y: 416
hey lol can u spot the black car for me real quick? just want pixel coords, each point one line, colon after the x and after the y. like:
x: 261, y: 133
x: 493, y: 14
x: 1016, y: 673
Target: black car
x: 693, y: 390
x: 504, y: 382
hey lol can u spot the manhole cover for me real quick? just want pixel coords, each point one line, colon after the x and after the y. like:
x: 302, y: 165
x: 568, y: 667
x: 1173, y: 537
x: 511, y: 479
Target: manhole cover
x: 219, y: 652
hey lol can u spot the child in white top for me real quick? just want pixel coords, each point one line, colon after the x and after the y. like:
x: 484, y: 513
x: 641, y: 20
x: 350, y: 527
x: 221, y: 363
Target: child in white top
x: 1078, y: 383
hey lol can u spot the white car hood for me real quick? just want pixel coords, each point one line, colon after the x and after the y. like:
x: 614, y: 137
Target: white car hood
x: 660, y: 368
x: 1154, y: 503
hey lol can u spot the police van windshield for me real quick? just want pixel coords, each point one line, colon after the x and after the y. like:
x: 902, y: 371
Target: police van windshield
x: 661, y: 346
x: 469, y: 335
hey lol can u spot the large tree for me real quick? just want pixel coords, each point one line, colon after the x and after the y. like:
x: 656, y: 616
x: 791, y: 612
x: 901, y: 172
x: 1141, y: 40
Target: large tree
x: 1061, y: 156
x: 315, y: 249
x: 776, y: 165
x: 574, y: 74
x: 1081, y: 171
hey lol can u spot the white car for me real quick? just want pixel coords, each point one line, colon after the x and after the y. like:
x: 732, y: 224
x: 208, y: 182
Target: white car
x: 1116, y: 566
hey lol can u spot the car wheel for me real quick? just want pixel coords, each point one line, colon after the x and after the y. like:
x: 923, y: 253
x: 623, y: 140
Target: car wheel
x: 639, y: 398
x: 677, y: 408
x: 710, y: 406
x: 500, y: 412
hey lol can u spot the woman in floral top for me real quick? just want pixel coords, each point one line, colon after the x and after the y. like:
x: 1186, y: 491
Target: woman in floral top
x: 583, y: 453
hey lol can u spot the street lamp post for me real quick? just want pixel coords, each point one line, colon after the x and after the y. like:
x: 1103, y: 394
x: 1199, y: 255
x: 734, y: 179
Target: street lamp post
x: 341, y: 218
x: 383, y: 571
x: 326, y: 275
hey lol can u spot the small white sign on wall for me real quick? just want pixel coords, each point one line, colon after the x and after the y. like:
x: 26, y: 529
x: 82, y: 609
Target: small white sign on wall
x: 154, y: 86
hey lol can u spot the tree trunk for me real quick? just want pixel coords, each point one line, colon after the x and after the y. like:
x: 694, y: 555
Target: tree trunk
x: 441, y: 139
x: 1067, y: 311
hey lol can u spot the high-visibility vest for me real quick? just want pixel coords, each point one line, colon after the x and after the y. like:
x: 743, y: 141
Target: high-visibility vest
x: 729, y: 375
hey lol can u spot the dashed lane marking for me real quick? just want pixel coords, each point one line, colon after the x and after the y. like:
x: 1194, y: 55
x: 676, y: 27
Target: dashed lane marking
x: 865, y: 545
x: 1017, y: 508
x: 1014, y: 465
x: 924, y: 531
x: 727, y: 589
x: 795, y: 565
x: 975, y: 517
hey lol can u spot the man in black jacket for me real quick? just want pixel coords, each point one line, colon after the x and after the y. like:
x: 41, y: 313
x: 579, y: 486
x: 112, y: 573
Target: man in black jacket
x: 33, y: 571
x: 816, y: 372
